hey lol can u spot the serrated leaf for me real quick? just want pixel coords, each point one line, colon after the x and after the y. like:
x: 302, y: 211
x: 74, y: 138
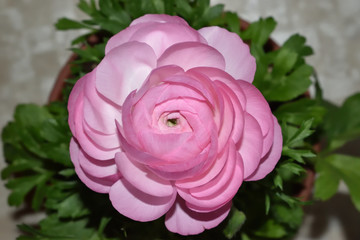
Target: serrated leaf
x: 289, y: 87
x: 291, y: 216
x: 271, y: 229
x: 349, y: 117
x: 278, y: 182
x: 284, y: 61
x: 298, y: 154
x: 303, y: 132
x: 236, y: 221
x: 72, y: 207
x: 22, y: 186
x: 66, y: 24
x: 259, y: 32
x: 292, y: 167
x: 339, y: 167
x: 300, y: 111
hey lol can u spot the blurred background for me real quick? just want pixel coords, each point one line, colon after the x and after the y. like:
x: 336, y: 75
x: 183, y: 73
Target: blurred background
x: 32, y: 52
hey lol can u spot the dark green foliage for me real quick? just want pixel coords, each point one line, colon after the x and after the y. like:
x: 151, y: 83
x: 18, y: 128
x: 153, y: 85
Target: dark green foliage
x: 40, y: 171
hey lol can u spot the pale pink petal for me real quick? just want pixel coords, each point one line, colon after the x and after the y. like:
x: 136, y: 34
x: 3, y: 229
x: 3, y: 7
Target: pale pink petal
x: 215, y: 74
x: 138, y: 205
x: 99, y: 113
x: 239, y: 62
x: 141, y: 178
x: 258, y: 107
x: 96, y: 168
x: 251, y: 145
x: 86, y: 143
x: 268, y: 162
x: 188, y: 55
x: 211, y: 196
x: 124, y: 69
x: 160, y: 36
x: 161, y: 18
x: 101, y: 185
x: 76, y: 96
x: 142, y: 24
x: 207, y: 176
x: 180, y: 219
x: 221, y: 181
x: 105, y: 141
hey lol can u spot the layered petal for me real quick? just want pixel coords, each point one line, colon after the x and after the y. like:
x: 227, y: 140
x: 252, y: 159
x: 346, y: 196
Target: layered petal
x: 239, y: 62
x: 94, y: 179
x: 180, y: 219
x: 251, y: 145
x: 124, y: 69
x: 182, y: 55
x: 137, y: 205
x: 269, y: 161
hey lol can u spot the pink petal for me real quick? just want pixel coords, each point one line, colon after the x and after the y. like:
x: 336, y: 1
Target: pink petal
x: 101, y: 185
x: 180, y: 219
x: 258, y: 107
x: 105, y: 141
x: 251, y: 145
x: 96, y: 168
x: 136, y: 204
x: 141, y: 178
x: 188, y: 55
x: 76, y: 96
x: 215, y: 74
x: 207, y: 176
x: 160, y: 36
x: 124, y: 69
x: 161, y: 18
x: 218, y: 191
x: 86, y: 143
x: 142, y: 24
x: 239, y: 62
x: 99, y: 113
x: 268, y: 162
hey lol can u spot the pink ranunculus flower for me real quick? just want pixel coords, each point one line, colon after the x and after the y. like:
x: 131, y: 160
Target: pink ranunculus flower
x: 170, y: 124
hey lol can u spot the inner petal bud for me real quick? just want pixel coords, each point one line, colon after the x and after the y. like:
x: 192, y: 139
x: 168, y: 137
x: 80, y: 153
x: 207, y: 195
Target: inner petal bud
x: 173, y: 122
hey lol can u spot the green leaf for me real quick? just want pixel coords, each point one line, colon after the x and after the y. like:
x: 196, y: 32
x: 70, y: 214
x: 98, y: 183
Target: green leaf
x: 72, y: 207
x: 292, y: 167
x: 303, y: 132
x: 339, y: 167
x: 66, y: 24
x: 236, y: 220
x: 300, y: 111
x: 349, y: 117
x: 271, y: 229
x: 289, y: 87
x: 259, y: 32
x: 291, y: 216
x: 22, y: 186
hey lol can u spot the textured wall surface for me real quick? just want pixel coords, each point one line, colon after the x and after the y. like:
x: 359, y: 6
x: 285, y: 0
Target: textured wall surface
x: 32, y: 52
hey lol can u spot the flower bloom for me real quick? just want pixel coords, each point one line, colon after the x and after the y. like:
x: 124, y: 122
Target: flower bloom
x: 169, y: 123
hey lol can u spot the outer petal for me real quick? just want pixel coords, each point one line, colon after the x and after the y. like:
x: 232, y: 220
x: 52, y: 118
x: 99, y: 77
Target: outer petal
x: 239, y: 62
x: 101, y: 185
x: 251, y: 145
x: 138, y: 205
x: 268, y: 162
x: 140, y: 177
x: 188, y: 55
x: 160, y: 36
x: 161, y: 18
x: 182, y: 220
x: 124, y: 69
x: 258, y: 107
x: 99, y: 113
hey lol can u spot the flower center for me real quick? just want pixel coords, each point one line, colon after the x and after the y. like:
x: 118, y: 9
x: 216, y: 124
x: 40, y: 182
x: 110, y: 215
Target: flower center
x: 172, y: 122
